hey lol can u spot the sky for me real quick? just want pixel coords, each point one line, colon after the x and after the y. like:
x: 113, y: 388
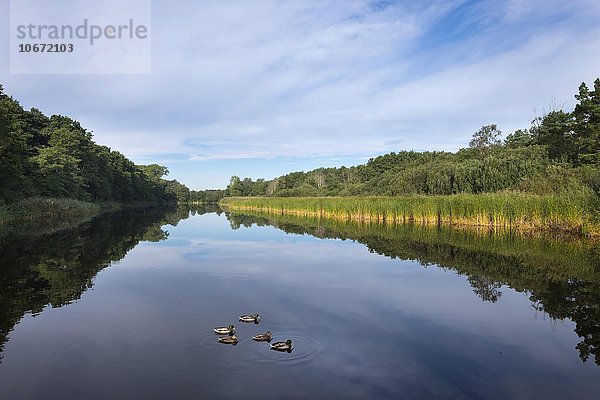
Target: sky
x: 261, y: 88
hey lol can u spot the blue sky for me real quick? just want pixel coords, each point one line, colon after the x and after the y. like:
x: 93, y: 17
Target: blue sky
x: 262, y: 88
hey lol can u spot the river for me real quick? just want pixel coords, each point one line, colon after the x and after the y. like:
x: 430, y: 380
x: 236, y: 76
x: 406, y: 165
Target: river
x: 124, y: 306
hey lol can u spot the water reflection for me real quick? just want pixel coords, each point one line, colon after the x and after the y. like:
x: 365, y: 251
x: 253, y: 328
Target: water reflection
x: 362, y: 325
x: 57, y: 268
x: 561, y: 275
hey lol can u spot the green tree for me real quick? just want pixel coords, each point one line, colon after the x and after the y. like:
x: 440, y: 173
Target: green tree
x: 13, y: 148
x: 179, y: 191
x: 555, y: 130
x: 59, y: 173
x: 56, y: 156
x: 587, y: 124
x: 486, y: 137
x: 235, y: 186
x: 154, y: 171
x: 519, y: 138
x: 259, y: 188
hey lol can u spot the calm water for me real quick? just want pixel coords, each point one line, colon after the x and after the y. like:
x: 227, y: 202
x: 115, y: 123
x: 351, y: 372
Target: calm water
x: 124, y: 306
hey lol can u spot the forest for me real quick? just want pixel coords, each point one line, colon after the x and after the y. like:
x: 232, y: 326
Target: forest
x: 559, y: 153
x: 55, y: 157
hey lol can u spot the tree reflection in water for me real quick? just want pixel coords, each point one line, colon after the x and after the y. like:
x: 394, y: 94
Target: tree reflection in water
x: 56, y: 269
x: 561, y: 275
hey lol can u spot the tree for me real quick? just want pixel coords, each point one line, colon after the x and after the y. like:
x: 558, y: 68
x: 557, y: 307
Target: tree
x: 555, y: 130
x: 259, y: 188
x: 59, y: 173
x: 154, y: 171
x: 487, y: 136
x: 235, y: 186
x: 13, y: 148
x: 56, y: 156
x: 272, y: 186
x: 180, y: 192
x: 319, y: 178
x: 520, y: 138
x: 246, y: 186
x: 587, y: 125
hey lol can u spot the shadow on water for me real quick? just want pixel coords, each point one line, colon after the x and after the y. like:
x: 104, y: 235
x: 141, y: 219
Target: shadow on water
x: 55, y: 269
x: 561, y: 275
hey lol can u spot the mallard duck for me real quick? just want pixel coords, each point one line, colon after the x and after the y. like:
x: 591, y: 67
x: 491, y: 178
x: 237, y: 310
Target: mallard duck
x: 263, y: 337
x: 250, y: 318
x: 224, y: 330
x: 282, y: 346
x: 229, y: 339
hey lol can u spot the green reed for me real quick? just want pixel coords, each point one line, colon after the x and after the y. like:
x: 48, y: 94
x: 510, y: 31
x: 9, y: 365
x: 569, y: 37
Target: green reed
x: 513, y: 210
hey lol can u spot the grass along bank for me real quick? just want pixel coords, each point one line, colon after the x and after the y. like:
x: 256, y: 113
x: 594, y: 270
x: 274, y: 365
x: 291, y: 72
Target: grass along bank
x: 43, y: 210
x: 573, y: 212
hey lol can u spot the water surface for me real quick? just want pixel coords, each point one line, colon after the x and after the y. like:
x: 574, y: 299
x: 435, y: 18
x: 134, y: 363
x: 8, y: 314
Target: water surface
x: 124, y: 306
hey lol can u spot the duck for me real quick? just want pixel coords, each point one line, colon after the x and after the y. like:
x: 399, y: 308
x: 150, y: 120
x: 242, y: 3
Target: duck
x: 224, y: 330
x: 282, y: 346
x: 263, y: 337
x: 229, y: 339
x: 250, y: 318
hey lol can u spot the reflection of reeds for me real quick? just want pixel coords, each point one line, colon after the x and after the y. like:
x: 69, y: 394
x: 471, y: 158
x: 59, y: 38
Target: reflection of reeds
x: 509, y: 210
x: 520, y: 259
x: 559, y: 272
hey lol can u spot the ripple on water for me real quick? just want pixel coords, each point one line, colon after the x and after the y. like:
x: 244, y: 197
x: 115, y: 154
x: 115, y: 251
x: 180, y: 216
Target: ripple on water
x: 305, y: 350
x: 209, y: 340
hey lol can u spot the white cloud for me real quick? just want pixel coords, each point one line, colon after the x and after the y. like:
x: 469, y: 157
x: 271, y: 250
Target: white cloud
x: 269, y: 79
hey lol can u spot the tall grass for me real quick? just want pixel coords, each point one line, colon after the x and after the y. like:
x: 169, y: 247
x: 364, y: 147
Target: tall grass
x: 513, y: 210
x: 48, y: 210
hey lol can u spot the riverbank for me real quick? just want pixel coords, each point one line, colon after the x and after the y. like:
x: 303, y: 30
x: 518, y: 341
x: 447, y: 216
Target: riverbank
x: 47, y: 209
x: 49, y: 214
x: 573, y: 213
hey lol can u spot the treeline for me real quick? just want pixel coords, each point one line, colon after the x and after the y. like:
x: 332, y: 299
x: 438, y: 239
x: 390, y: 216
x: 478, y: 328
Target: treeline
x: 559, y: 152
x: 208, y: 196
x: 56, y: 157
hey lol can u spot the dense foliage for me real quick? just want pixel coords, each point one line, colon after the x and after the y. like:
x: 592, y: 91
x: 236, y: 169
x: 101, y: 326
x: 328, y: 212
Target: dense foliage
x: 56, y: 157
x: 208, y: 196
x: 559, y: 153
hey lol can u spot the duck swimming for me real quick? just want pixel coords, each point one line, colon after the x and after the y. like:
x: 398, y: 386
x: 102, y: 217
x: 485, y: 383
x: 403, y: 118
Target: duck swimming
x: 263, y: 337
x: 229, y: 339
x: 282, y: 346
x: 250, y: 318
x: 224, y: 330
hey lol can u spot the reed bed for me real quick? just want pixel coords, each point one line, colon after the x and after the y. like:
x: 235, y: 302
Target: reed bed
x: 41, y: 209
x: 509, y: 210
